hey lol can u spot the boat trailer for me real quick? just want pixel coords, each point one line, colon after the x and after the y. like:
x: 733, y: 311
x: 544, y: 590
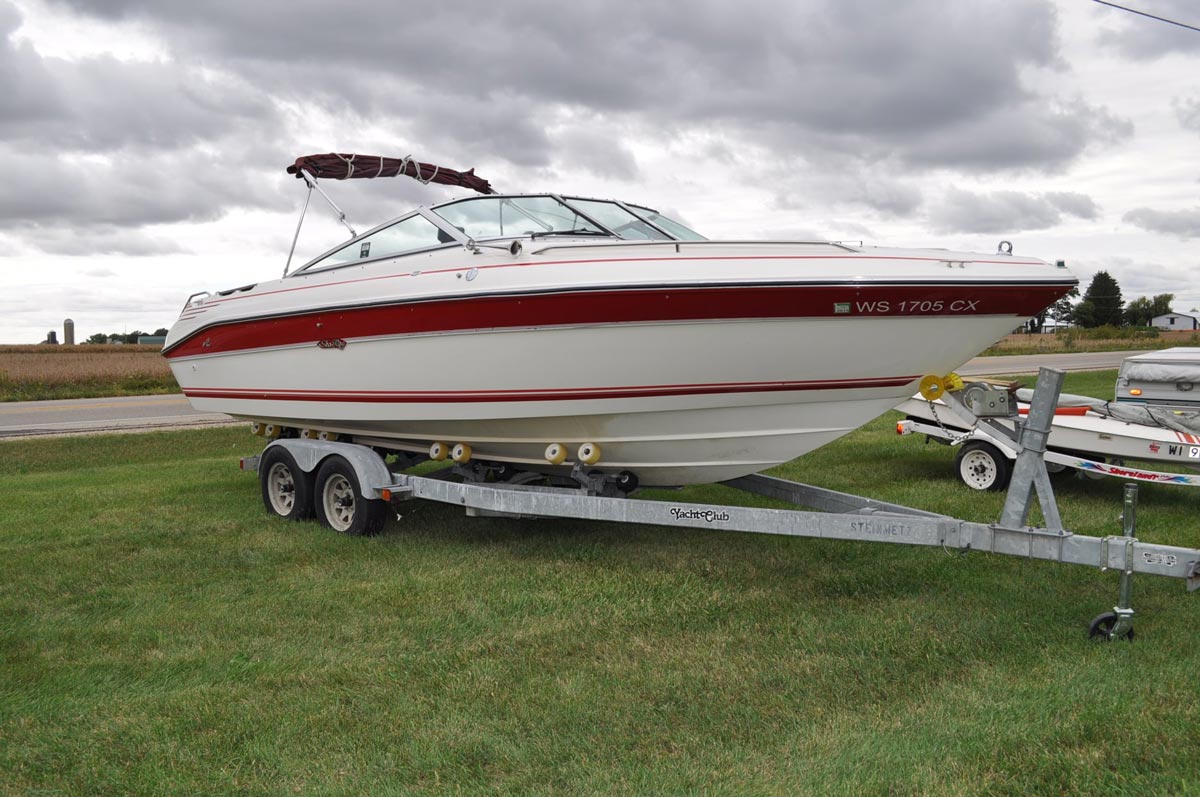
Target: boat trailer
x: 353, y: 489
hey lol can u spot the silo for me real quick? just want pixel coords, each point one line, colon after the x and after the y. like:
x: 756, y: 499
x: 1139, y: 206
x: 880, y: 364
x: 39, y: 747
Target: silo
x: 68, y: 332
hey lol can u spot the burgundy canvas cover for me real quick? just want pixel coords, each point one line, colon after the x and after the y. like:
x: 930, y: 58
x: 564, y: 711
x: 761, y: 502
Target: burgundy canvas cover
x: 339, y: 166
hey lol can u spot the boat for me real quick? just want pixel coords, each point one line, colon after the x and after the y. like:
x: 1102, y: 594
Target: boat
x: 552, y: 332
x: 1165, y: 379
x: 1092, y: 436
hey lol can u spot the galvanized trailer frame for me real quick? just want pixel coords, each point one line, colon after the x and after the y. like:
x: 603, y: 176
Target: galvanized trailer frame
x: 839, y: 516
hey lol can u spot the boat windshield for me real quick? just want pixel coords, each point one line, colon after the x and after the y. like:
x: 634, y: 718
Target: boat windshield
x: 399, y: 238
x: 677, y: 230
x: 619, y: 220
x: 508, y: 217
x: 516, y: 216
x: 500, y: 217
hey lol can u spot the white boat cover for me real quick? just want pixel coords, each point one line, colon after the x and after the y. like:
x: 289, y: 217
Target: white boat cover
x: 1179, y: 364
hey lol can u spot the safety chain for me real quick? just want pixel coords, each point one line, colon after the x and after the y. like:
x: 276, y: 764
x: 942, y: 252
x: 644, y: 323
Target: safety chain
x: 954, y: 439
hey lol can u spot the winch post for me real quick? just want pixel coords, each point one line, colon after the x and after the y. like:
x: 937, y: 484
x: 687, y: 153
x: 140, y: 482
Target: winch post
x: 1029, y: 472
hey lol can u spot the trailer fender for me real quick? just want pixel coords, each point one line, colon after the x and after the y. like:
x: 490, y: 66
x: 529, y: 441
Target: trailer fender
x: 372, y: 472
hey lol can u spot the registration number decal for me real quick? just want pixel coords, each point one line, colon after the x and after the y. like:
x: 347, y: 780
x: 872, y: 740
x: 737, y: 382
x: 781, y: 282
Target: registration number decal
x: 907, y: 306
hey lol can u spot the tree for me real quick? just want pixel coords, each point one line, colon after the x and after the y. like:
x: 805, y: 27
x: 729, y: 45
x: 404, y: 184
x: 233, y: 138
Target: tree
x: 124, y: 337
x: 1101, y: 304
x: 1161, y: 304
x: 1141, y: 310
x: 1062, y: 311
x: 1084, y: 315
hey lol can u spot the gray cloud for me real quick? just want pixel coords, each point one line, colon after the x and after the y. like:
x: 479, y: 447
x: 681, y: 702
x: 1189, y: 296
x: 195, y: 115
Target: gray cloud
x: 783, y: 74
x: 1073, y: 204
x: 1006, y: 211
x: 1028, y: 135
x: 866, y: 98
x: 1187, y: 111
x: 820, y: 188
x: 1143, y: 38
x: 89, y: 242
x: 599, y: 152
x: 1139, y: 277
x: 100, y: 104
x: 1181, y: 223
x: 125, y: 189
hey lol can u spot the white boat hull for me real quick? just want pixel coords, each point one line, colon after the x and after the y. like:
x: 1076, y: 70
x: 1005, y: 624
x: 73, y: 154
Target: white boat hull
x: 644, y: 393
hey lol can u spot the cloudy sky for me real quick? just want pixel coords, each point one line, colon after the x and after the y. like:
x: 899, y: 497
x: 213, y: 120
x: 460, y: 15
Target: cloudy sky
x: 144, y: 142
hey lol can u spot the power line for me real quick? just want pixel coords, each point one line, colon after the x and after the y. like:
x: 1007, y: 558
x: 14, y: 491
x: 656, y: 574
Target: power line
x: 1144, y: 14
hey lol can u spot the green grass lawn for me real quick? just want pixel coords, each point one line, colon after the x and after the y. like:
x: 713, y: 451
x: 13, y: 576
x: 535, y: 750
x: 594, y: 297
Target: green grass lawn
x: 160, y: 633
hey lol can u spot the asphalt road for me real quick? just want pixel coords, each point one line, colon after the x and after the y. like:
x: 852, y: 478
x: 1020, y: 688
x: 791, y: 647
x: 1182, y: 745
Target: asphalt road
x: 1028, y: 363
x: 98, y: 415
x: 144, y: 413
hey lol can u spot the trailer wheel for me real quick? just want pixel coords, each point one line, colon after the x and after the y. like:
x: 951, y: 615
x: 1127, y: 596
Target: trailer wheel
x: 982, y: 466
x: 286, y: 490
x: 1101, y: 628
x: 340, y: 504
x: 1095, y: 475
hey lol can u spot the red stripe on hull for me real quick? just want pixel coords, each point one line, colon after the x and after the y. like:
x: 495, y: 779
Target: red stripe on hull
x: 553, y: 394
x: 622, y: 306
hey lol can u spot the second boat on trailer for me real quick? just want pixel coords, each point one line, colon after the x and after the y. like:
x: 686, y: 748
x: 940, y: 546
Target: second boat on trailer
x: 544, y: 332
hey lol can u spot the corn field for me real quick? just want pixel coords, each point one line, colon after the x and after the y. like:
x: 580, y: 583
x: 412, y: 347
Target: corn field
x: 30, y: 373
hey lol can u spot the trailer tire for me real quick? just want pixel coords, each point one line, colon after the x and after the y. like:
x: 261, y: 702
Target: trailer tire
x: 340, y: 504
x: 286, y: 489
x: 982, y: 466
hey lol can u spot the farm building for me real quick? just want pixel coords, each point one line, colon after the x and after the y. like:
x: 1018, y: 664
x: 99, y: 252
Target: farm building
x: 1176, y: 321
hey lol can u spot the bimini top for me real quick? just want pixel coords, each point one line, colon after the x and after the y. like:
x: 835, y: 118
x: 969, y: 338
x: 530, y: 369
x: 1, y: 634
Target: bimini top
x: 338, y: 166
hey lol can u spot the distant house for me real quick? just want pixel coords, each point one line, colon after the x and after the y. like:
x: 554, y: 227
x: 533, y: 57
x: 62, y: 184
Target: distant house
x: 151, y: 340
x: 1176, y: 321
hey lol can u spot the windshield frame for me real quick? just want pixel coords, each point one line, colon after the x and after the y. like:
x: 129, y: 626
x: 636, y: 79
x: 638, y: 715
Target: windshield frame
x: 513, y: 203
x: 314, y: 266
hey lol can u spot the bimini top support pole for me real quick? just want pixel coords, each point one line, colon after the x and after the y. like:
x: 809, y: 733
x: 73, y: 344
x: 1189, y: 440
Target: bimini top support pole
x: 296, y: 237
x: 311, y: 182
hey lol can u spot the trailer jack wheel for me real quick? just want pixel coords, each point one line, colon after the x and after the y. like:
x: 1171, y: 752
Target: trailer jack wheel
x: 1103, y: 627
